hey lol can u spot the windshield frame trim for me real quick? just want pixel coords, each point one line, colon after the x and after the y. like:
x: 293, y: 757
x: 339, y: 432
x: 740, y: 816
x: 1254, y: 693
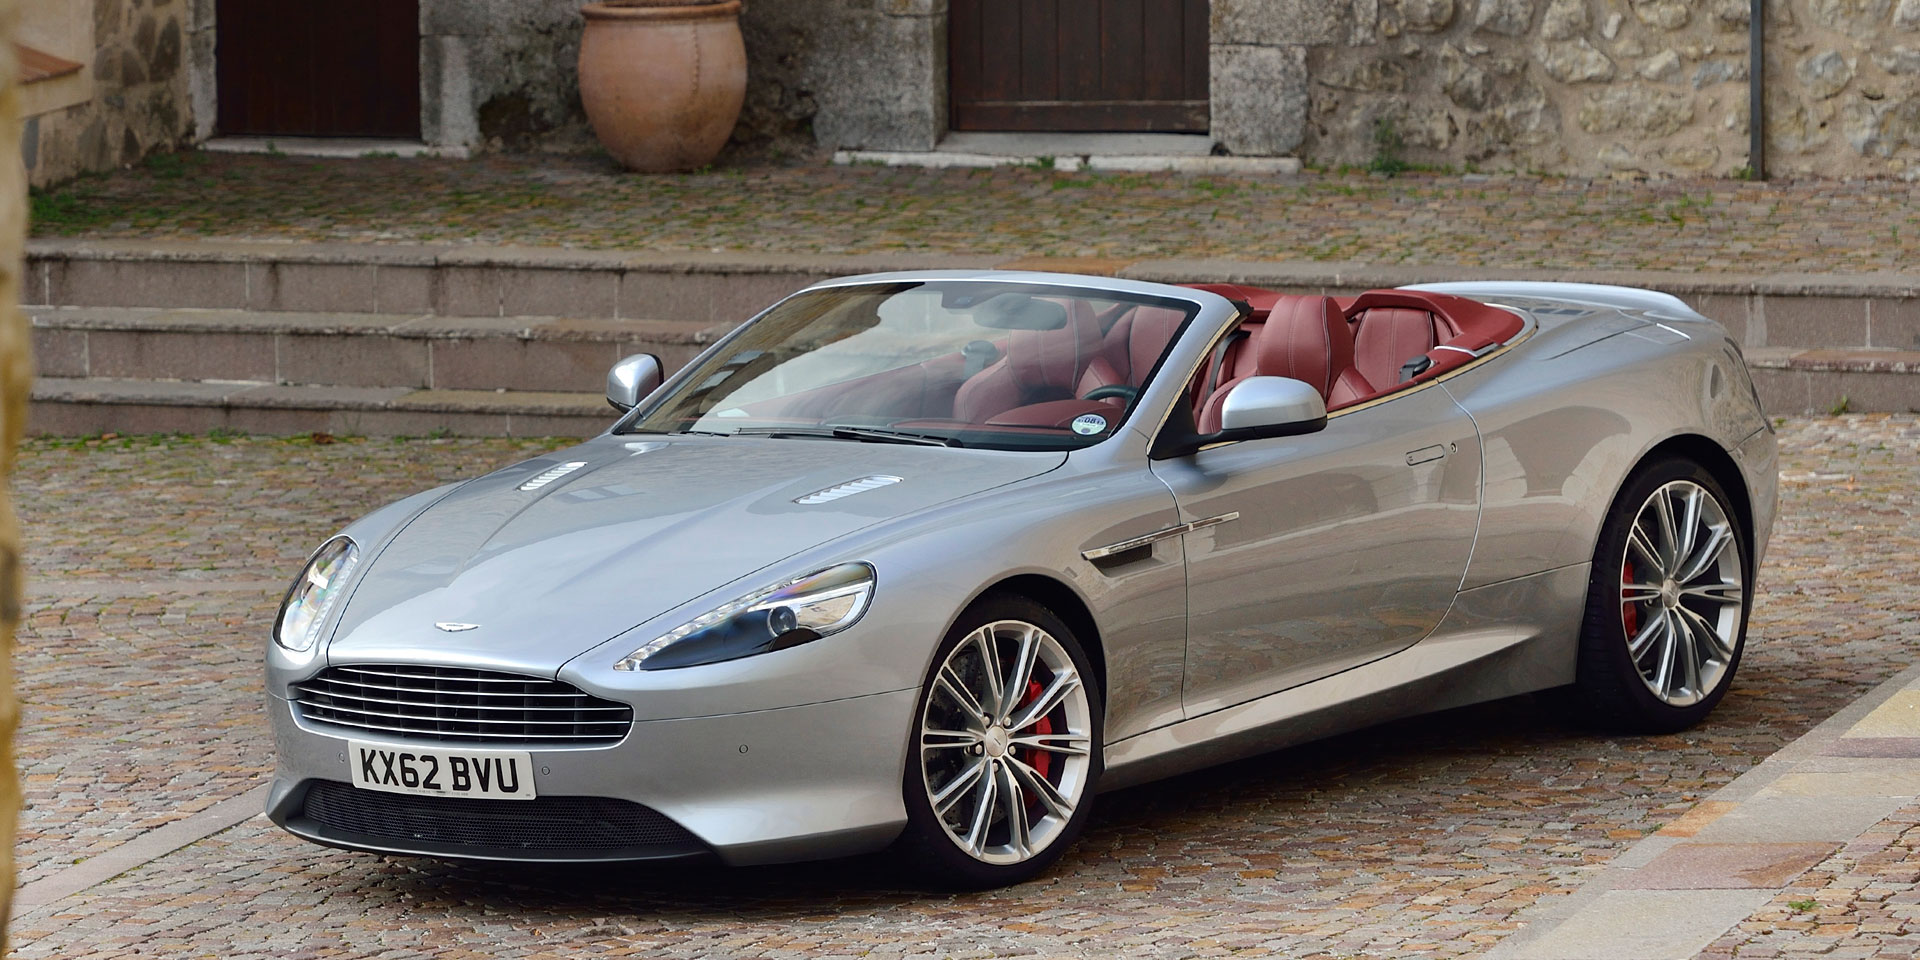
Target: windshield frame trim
x: 1212, y: 309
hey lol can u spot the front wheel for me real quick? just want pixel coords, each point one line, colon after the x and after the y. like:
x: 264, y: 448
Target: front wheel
x: 1666, y: 617
x: 1005, y: 748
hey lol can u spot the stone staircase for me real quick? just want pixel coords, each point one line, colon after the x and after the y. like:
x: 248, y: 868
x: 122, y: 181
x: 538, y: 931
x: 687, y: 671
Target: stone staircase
x: 145, y: 370
x: 137, y: 337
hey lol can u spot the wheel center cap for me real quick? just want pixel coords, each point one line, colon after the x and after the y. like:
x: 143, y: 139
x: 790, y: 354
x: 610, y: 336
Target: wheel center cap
x: 1669, y: 594
x: 996, y: 740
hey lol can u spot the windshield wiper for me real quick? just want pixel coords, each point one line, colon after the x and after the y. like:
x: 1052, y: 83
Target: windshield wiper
x: 893, y: 436
x: 862, y: 434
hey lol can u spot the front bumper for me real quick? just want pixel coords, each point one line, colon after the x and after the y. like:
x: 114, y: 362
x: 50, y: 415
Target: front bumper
x: 798, y: 783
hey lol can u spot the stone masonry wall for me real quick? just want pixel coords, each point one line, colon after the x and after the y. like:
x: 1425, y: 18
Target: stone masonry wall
x: 1597, y: 87
x: 502, y: 74
x: 865, y: 74
x: 140, y: 94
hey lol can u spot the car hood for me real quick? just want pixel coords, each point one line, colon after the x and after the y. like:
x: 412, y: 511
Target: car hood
x: 639, y: 527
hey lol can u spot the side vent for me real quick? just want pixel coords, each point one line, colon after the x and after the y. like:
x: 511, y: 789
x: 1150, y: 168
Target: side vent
x: 847, y: 489
x: 552, y: 474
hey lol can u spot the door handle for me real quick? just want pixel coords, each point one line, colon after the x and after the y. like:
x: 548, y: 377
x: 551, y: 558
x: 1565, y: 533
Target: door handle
x: 1426, y: 454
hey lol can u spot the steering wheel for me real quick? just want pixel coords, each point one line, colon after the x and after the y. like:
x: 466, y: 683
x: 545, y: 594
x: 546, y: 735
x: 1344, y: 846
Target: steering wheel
x: 1120, y: 390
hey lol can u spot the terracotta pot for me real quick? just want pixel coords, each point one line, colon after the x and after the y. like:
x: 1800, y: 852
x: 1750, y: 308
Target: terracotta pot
x: 662, y: 81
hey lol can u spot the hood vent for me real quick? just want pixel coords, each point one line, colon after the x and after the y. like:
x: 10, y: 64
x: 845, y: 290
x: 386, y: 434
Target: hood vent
x: 552, y: 474
x: 848, y: 489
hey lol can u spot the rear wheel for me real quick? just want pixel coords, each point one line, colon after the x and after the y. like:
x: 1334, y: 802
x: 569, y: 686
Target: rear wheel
x: 1006, y: 748
x: 1667, y: 603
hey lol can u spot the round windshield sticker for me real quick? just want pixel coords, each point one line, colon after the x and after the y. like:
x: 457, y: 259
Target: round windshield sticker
x: 1089, y: 424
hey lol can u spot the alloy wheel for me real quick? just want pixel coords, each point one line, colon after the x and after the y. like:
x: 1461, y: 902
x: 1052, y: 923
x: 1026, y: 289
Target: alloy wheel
x: 1005, y: 742
x: 1682, y: 593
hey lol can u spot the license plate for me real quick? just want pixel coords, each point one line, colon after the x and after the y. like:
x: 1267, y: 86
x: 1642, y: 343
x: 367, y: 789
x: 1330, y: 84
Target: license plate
x: 435, y: 772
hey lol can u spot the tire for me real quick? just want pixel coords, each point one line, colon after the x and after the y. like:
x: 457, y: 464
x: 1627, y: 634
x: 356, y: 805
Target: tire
x: 1662, y: 638
x: 1043, y: 743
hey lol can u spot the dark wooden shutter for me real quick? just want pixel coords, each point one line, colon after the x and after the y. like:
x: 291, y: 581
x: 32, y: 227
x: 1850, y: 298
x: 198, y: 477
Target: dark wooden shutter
x: 345, y: 68
x: 1079, y: 65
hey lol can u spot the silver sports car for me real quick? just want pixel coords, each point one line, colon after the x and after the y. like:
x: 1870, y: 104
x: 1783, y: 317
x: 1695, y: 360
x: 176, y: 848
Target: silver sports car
x: 930, y: 559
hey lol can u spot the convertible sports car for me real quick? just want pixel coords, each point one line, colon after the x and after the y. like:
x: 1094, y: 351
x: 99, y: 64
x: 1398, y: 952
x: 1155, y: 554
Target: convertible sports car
x: 929, y: 559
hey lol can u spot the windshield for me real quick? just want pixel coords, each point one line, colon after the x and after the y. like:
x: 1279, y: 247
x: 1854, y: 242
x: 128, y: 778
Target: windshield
x: 1010, y: 366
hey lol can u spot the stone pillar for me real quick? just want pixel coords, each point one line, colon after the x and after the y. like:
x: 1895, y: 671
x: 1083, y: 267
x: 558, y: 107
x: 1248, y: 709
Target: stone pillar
x: 203, y: 88
x: 502, y: 74
x: 875, y: 71
x: 1258, y: 67
x: 16, y: 369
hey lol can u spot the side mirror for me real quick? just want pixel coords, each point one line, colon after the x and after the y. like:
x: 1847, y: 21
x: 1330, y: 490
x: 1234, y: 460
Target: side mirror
x: 1271, y: 407
x: 631, y: 380
x: 1255, y: 409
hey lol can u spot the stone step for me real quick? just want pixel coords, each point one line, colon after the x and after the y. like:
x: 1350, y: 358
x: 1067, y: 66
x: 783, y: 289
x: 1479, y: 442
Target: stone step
x: 81, y: 406
x: 352, y: 349
x: 491, y: 317
x: 1795, y: 381
x: 444, y: 281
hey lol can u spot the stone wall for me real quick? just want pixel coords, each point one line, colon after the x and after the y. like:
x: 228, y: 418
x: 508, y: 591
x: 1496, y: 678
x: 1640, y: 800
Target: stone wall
x: 861, y: 74
x: 1588, y: 87
x: 139, y: 98
x: 502, y: 74
x: 1598, y: 87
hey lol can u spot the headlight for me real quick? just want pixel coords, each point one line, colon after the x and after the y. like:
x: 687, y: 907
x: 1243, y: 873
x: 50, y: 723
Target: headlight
x: 314, y: 593
x: 784, y: 615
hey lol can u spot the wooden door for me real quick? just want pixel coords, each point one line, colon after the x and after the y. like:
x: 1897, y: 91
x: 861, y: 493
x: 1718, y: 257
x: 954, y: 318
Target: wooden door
x: 345, y: 68
x: 1079, y: 65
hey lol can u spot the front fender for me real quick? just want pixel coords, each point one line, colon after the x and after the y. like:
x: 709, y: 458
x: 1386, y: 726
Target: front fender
x: 928, y: 567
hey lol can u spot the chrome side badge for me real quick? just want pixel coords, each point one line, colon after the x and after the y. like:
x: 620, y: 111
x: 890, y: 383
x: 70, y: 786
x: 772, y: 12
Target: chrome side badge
x: 452, y: 626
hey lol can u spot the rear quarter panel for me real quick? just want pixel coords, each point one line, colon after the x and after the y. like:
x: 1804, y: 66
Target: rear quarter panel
x: 1561, y: 428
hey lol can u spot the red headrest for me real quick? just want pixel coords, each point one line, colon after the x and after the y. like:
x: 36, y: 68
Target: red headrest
x: 1055, y: 358
x: 1305, y: 338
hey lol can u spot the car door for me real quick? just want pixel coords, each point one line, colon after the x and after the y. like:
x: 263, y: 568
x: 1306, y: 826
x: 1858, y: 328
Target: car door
x: 1321, y: 552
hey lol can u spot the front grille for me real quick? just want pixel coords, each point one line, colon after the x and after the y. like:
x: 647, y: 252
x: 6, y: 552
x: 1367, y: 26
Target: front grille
x: 460, y: 705
x: 543, y: 824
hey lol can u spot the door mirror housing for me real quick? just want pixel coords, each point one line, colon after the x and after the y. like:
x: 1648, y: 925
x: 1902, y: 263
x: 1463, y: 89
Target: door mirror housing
x: 631, y: 380
x: 1255, y: 409
x: 1272, y: 407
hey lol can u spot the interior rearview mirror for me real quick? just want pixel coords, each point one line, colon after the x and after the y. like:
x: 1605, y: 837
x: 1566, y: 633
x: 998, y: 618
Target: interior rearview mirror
x: 631, y: 380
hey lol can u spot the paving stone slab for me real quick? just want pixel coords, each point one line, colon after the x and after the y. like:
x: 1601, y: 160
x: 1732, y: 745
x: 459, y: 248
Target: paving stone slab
x: 1646, y: 925
x: 1727, y: 866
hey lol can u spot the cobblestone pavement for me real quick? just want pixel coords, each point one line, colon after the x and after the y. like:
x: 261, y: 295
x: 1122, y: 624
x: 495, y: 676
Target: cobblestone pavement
x: 1863, y: 902
x: 1418, y: 218
x: 156, y: 565
x: 1419, y: 838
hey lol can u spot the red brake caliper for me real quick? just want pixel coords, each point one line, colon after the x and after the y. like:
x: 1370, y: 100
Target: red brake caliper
x: 1040, y: 760
x: 1629, y: 614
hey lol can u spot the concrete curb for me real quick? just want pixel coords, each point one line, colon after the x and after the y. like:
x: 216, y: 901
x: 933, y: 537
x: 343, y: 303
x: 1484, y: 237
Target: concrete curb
x: 1663, y: 900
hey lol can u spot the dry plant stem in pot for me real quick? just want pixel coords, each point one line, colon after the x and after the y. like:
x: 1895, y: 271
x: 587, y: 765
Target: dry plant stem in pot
x: 662, y: 82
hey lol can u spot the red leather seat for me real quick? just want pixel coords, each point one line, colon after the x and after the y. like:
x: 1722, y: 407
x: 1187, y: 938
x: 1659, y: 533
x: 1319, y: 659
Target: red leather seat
x: 1305, y: 338
x: 1131, y: 348
x: 1040, y: 365
x: 1386, y: 337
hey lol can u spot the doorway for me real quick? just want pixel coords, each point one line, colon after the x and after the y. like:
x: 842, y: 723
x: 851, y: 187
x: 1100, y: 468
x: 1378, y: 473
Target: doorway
x: 1079, y: 66
x: 350, y: 68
